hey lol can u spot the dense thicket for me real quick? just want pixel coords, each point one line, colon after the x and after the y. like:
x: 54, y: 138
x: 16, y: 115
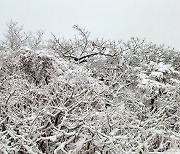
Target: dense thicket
x: 87, y: 96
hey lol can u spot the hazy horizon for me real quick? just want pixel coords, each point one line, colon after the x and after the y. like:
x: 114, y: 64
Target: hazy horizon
x: 156, y: 20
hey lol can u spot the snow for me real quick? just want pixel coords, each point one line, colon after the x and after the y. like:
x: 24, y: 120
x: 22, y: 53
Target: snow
x: 175, y: 81
x: 173, y: 151
x: 156, y: 75
x: 161, y: 67
x: 144, y: 79
x: 79, y: 144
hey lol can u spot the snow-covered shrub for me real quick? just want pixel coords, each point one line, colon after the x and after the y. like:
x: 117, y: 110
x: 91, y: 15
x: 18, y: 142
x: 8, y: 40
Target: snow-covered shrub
x: 87, y: 96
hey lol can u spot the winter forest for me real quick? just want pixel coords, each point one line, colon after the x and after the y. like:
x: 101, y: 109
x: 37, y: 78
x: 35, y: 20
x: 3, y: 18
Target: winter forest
x: 84, y: 96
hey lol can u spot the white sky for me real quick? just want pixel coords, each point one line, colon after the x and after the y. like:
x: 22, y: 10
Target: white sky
x: 156, y: 20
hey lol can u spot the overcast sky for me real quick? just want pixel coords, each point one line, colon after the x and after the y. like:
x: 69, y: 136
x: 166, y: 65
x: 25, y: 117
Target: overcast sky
x: 156, y: 20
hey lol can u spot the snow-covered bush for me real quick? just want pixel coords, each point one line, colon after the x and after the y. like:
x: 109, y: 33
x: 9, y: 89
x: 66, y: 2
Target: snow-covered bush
x: 87, y: 96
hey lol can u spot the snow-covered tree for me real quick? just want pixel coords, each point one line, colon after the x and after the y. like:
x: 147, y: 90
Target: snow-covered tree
x: 87, y: 96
